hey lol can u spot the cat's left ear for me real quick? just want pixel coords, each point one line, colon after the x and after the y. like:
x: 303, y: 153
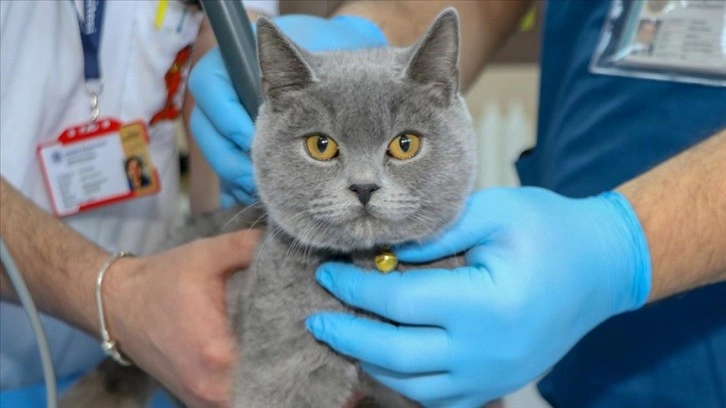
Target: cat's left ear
x: 435, y: 59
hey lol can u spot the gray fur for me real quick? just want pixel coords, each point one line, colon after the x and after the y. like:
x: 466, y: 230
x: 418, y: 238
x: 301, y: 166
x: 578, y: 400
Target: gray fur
x: 361, y: 99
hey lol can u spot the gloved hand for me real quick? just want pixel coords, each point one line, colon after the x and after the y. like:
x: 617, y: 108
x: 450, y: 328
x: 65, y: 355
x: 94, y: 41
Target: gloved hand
x: 541, y: 271
x: 220, y: 125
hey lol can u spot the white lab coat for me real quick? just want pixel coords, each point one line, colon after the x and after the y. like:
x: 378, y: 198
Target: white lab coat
x: 42, y: 91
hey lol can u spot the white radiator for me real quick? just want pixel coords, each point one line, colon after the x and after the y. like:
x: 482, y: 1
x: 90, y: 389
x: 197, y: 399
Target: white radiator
x: 503, y: 105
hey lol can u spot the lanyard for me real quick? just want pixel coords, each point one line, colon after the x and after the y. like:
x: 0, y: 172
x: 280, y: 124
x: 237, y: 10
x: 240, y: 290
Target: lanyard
x: 90, y: 29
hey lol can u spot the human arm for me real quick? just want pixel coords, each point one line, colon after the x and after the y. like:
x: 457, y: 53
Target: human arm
x: 167, y: 311
x: 485, y: 25
x: 682, y: 207
x: 541, y: 271
x: 40, y: 242
x: 203, y: 182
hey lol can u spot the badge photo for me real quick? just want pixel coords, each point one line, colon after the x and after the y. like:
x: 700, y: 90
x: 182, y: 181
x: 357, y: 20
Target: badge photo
x: 669, y: 40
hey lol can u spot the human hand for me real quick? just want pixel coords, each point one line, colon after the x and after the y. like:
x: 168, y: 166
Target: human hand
x: 221, y: 126
x: 541, y: 271
x: 168, y: 312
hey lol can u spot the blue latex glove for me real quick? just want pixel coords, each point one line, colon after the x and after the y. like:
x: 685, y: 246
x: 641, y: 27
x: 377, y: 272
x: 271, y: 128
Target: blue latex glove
x: 541, y: 271
x: 220, y: 125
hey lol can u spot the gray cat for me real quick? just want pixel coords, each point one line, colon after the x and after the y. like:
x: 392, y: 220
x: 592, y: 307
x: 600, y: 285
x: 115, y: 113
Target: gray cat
x: 354, y: 151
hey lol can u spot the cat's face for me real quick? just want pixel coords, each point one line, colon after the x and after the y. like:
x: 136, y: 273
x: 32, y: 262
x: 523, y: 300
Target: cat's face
x: 361, y: 149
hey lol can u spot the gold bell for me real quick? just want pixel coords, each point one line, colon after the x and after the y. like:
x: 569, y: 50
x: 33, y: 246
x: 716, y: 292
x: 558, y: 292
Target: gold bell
x: 386, y: 261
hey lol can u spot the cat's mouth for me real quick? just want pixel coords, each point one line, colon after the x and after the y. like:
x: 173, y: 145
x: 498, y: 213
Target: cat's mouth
x: 372, y: 220
x: 354, y: 226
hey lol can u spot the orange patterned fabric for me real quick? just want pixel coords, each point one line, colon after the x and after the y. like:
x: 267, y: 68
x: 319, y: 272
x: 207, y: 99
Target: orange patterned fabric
x: 174, y: 79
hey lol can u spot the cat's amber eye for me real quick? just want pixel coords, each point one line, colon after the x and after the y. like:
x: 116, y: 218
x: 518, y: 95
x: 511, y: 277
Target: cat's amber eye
x: 321, y: 147
x: 404, y: 146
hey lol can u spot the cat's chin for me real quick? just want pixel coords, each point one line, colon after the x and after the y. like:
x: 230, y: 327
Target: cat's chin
x: 353, y: 244
x: 363, y: 236
x: 361, y: 246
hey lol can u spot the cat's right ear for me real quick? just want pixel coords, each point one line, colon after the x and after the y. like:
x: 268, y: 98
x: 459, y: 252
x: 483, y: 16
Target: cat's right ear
x: 282, y: 65
x: 435, y: 59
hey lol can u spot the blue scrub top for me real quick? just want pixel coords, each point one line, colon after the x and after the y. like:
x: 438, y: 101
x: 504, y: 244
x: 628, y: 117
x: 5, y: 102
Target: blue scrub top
x: 594, y: 133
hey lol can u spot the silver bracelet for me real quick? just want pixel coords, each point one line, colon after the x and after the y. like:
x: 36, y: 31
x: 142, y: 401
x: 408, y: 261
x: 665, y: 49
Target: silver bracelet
x: 109, y: 345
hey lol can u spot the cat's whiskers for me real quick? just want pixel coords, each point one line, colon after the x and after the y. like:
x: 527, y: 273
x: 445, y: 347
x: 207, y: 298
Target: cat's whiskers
x: 270, y: 236
x: 297, y: 241
x: 234, y: 217
x: 274, y: 231
x: 329, y: 210
x: 290, y: 250
x: 426, y: 221
x: 307, y: 249
x: 307, y: 236
x: 258, y: 220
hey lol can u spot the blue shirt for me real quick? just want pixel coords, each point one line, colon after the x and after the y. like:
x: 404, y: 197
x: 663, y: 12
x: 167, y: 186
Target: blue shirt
x: 594, y: 133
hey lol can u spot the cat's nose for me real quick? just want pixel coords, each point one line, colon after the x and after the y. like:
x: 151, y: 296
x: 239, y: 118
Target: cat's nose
x: 364, y: 191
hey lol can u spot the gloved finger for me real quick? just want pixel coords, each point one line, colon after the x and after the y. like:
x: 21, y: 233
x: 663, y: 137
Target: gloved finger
x: 418, y: 298
x: 473, y: 227
x: 214, y: 94
x: 458, y: 401
x: 242, y: 193
x: 430, y: 389
x: 226, y: 199
x: 354, y: 32
x: 244, y: 198
x: 401, y: 349
x: 227, y: 160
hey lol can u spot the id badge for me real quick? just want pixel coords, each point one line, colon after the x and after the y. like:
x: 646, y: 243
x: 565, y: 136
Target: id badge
x: 96, y: 164
x: 675, y: 40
